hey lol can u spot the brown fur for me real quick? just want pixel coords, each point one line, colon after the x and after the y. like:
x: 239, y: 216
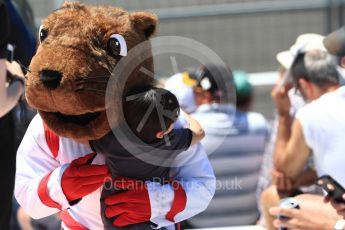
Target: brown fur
x: 76, y: 46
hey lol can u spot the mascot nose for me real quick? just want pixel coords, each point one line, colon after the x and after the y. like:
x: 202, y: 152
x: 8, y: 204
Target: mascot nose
x: 50, y: 78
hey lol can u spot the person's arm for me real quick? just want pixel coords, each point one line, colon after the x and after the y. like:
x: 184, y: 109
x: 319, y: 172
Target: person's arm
x: 43, y: 186
x: 34, y: 163
x: 291, y: 151
x: 308, y: 178
x: 286, y: 186
x: 291, y: 155
x: 195, y: 127
x: 10, y: 95
x: 194, y: 175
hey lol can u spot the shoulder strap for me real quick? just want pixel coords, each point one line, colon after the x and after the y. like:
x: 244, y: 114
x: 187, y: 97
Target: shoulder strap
x: 52, y: 140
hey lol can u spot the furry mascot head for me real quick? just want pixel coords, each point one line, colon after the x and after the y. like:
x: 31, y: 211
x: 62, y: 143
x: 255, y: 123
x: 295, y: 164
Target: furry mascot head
x: 79, y: 47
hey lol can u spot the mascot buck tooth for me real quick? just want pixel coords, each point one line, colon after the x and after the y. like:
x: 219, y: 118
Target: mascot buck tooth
x: 79, y: 47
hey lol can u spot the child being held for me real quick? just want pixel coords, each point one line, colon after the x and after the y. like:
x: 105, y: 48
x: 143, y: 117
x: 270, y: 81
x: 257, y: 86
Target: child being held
x: 145, y: 147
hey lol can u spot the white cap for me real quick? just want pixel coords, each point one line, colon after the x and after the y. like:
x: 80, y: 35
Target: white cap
x: 304, y: 43
x: 183, y: 92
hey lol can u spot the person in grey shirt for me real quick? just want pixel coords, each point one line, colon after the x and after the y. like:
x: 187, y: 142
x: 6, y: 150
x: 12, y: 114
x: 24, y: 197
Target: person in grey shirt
x: 235, y: 141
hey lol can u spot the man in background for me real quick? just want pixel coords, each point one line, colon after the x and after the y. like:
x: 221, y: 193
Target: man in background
x: 235, y: 141
x: 271, y: 185
x: 335, y: 44
x: 317, y: 131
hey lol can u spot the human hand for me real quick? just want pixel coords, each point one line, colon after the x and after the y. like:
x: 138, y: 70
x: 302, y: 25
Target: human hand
x: 339, y: 207
x: 299, y: 219
x: 15, y: 70
x: 285, y: 185
x: 81, y: 178
x: 4, y: 32
x: 281, y: 98
x: 131, y: 206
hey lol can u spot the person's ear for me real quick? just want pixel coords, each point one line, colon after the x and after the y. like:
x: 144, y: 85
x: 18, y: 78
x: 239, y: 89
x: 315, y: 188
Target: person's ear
x: 198, y: 92
x: 302, y: 83
x: 305, y: 87
x: 208, y: 96
x: 160, y: 135
x: 197, y: 95
x: 144, y: 23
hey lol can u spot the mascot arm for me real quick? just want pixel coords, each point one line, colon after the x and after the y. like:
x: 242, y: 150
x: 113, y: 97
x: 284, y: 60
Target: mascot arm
x: 189, y: 194
x: 37, y: 170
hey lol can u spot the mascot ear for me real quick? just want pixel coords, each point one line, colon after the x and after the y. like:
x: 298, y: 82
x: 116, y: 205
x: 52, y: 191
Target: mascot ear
x: 145, y: 23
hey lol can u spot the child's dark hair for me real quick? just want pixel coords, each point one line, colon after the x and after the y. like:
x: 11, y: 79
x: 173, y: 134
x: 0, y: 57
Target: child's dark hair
x: 149, y: 110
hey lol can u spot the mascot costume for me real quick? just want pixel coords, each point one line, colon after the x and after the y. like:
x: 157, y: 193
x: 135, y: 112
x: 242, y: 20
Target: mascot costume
x: 79, y: 47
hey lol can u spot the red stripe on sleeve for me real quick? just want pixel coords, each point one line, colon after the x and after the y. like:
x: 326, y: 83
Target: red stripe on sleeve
x: 43, y: 193
x: 68, y: 220
x: 179, y: 202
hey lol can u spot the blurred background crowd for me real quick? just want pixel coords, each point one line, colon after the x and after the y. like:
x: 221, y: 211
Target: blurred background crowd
x: 275, y: 48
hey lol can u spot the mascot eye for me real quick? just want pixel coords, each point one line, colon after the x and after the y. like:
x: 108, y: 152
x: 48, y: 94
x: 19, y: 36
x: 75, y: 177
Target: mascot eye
x: 117, y: 45
x: 43, y: 34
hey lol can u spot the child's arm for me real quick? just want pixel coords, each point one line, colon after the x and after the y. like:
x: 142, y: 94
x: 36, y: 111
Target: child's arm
x: 195, y: 127
x: 193, y: 187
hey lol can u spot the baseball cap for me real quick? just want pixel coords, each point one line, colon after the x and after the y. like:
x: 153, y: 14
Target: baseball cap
x: 183, y: 92
x: 242, y: 84
x: 335, y: 42
x: 212, y: 78
x: 304, y: 43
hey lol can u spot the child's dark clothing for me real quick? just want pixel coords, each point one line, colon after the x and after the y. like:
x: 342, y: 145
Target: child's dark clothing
x: 146, y: 162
